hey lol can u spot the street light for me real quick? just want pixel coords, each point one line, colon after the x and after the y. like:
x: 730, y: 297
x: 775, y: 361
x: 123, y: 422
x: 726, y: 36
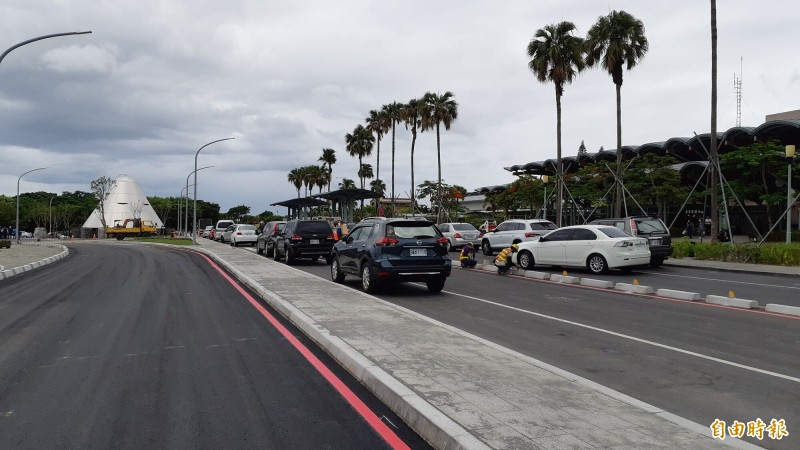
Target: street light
x: 789, y: 160
x: 18, y: 179
x: 194, y: 214
x: 545, y: 179
x: 186, y: 216
x: 39, y: 39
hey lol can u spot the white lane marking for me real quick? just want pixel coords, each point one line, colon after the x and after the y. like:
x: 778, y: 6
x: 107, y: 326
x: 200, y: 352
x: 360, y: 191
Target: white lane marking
x: 633, y: 338
x: 728, y: 281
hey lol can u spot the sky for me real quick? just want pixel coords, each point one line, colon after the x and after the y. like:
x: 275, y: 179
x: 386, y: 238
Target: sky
x: 156, y: 80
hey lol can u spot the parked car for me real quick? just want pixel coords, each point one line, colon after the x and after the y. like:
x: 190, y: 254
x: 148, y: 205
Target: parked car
x: 596, y: 247
x: 266, y: 240
x: 381, y: 251
x: 225, y: 236
x: 653, y: 229
x: 303, y: 239
x: 458, y: 234
x: 514, y: 231
x: 243, y: 234
x: 488, y: 225
x: 207, y: 231
x: 220, y: 228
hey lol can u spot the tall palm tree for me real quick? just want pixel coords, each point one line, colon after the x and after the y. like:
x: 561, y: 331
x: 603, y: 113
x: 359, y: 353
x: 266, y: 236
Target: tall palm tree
x: 295, y: 177
x: 377, y: 186
x: 359, y: 144
x: 366, y: 172
x: 556, y: 55
x: 415, y: 114
x: 378, y: 123
x: 317, y: 176
x: 328, y: 159
x: 305, y: 175
x: 347, y: 183
x: 713, y: 150
x: 392, y: 111
x: 443, y: 110
x: 614, y: 41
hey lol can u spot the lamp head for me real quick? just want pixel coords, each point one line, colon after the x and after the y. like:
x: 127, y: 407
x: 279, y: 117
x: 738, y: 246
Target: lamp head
x: 790, y: 151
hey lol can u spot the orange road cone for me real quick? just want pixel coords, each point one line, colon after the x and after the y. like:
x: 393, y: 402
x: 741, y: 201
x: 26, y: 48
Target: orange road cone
x: 94, y: 236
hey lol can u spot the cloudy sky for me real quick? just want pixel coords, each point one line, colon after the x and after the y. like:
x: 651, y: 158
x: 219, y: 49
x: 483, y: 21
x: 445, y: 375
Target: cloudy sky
x: 158, y: 79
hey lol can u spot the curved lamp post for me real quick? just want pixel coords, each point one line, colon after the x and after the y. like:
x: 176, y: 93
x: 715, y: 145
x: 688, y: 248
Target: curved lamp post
x: 545, y: 179
x: 194, y: 214
x: 186, y: 215
x: 48, y: 36
x: 18, y: 180
x: 789, y: 160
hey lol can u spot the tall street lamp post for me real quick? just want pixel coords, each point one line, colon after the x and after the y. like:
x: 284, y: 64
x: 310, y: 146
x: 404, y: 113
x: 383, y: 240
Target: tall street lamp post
x: 186, y: 215
x: 789, y: 161
x: 39, y: 39
x: 194, y: 214
x: 18, y: 179
x: 545, y: 179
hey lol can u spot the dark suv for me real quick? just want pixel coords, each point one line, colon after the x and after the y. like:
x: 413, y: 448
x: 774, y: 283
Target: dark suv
x: 266, y: 239
x: 303, y: 239
x: 383, y: 250
x: 653, y: 229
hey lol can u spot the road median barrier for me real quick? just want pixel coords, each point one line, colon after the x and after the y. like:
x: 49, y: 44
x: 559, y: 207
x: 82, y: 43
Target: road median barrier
x: 536, y: 275
x: 566, y: 279
x: 489, y: 268
x: 731, y: 301
x: 634, y: 288
x: 603, y: 284
x: 783, y: 309
x: 680, y: 295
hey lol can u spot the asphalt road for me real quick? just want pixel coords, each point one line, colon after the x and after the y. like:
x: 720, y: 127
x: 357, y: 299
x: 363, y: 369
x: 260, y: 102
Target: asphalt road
x: 701, y: 362
x: 131, y: 346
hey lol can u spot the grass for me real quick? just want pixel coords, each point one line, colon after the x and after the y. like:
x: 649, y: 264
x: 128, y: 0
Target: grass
x: 781, y: 254
x: 162, y: 240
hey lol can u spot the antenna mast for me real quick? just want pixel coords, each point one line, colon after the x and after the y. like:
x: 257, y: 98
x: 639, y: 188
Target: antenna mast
x: 737, y: 88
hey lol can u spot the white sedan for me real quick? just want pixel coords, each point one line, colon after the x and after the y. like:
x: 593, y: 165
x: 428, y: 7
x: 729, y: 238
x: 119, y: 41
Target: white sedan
x: 241, y: 234
x: 596, y: 247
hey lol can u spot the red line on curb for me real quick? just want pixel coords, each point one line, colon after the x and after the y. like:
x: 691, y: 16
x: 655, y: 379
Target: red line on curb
x: 363, y: 410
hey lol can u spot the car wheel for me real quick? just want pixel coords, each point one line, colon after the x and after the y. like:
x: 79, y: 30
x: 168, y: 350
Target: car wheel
x: 656, y: 261
x: 222, y: 239
x: 368, y: 281
x: 233, y: 243
x: 267, y: 250
x: 259, y: 250
x: 596, y: 264
x: 336, y: 274
x: 435, y: 285
x: 487, y: 248
x: 288, y: 256
x: 275, y: 254
x: 449, y: 247
x: 525, y: 259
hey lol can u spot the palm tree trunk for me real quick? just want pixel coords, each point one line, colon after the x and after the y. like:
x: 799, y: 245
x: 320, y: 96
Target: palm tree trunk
x: 360, y: 169
x: 413, y: 142
x: 439, y: 186
x: 378, y: 163
x: 713, y: 149
x: 559, y: 165
x: 394, y: 212
x: 618, y: 200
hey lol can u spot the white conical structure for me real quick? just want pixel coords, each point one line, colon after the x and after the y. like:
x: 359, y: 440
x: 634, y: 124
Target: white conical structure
x: 125, y: 201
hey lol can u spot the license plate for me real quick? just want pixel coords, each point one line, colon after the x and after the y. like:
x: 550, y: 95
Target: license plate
x: 419, y: 252
x: 654, y: 241
x: 313, y: 241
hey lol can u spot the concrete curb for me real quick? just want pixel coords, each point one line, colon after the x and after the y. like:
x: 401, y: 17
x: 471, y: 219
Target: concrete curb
x: 536, y: 275
x: 783, y: 309
x: 635, y: 288
x: 597, y: 283
x: 733, y: 302
x: 8, y: 273
x: 680, y: 295
x: 566, y: 279
x: 430, y: 423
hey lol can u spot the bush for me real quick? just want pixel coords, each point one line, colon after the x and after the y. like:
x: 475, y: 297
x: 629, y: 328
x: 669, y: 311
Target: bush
x: 5, y: 243
x: 768, y: 253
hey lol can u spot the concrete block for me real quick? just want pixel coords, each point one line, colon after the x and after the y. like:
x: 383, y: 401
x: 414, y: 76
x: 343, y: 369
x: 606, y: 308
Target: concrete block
x: 36, y: 264
x: 8, y: 273
x: 680, y: 295
x: 537, y: 275
x: 489, y: 268
x: 635, y: 288
x: 603, y: 284
x: 18, y: 270
x: 783, y: 309
x: 2, y: 275
x: 734, y: 302
x: 566, y: 279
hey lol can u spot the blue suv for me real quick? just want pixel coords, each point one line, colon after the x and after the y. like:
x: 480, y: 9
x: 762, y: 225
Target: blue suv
x: 381, y: 251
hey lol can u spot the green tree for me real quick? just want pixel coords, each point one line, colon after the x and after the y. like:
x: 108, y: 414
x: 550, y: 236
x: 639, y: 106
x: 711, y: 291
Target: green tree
x: 556, y: 55
x: 295, y: 177
x: 614, y: 41
x: 101, y: 188
x: 378, y: 186
x: 415, y: 114
x: 237, y: 213
x: 443, y: 110
x: 347, y: 183
x: 653, y: 180
x: 392, y: 113
x: 359, y: 145
x: 328, y: 159
x: 378, y: 123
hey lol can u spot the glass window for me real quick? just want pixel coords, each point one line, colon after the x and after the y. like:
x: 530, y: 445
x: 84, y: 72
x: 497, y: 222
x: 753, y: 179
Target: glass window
x: 357, y: 234
x: 613, y: 232
x: 505, y: 226
x: 543, y: 226
x: 313, y: 226
x: 247, y: 227
x: 584, y: 234
x: 464, y: 227
x: 650, y: 225
x: 413, y: 231
x: 559, y: 235
x: 444, y: 228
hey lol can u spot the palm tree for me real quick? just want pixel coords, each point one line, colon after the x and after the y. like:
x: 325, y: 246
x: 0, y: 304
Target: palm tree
x: 392, y: 112
x: 556, y: 55
x: 378, y: 123
x: 415, y: 114
x: 442, y: 110
x: 359, y: 144
x: 305, y: 175
x: 713, y: 150
x: 377, y: 186
x: 328, y: 159
x: 317, y: 176
x: 347, y: 183
x: 295, y: 177
x: 365, y: 173
x: 614, y: 41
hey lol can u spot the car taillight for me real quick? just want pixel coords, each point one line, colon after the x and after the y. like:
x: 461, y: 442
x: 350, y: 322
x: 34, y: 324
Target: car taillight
x: 530, y: 234
x: 296, y: 237
x: 457, y: 235
x: 329, y: 237
x: 238, y: 233
x: 633, y: 227
x: 387, y: 241
x: 624, y: 244
x: 442, y: 241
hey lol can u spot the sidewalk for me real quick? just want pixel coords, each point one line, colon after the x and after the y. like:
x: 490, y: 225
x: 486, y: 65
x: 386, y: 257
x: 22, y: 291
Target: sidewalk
x: 455, y: 389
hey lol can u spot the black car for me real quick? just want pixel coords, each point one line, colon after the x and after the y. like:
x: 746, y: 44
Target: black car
x: 266, y: 239
x: 657, y: 234
x: 381, y: 250
x: 303, y: 239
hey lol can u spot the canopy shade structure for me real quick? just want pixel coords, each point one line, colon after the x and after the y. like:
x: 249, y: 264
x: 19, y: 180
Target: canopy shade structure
x: 125, y: 201
x: 346, y: 199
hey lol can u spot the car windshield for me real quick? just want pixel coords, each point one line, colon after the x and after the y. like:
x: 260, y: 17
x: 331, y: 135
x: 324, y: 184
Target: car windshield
x: 412, y: 231
x: 648, y: 226
x: 463, y: 227
x: 613, y: 232
x: 316, y: 226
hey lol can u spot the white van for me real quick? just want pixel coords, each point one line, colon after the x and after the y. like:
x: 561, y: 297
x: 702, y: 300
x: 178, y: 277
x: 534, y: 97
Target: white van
x: 220, y: 227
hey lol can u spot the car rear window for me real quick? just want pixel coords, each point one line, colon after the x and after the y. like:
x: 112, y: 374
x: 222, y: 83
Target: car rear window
x: 464, y: 227
x: 224, y: 223
x: 247, y: 227
x: 613, y: 232
x: 412, y: 230
x: 316, y: 226
x: 543, y: 226
x: 647, y: 226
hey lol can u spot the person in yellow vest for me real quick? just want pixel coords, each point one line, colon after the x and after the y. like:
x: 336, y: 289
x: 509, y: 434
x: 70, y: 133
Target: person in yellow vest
x: 503, y: 260
x: 467, y: 256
